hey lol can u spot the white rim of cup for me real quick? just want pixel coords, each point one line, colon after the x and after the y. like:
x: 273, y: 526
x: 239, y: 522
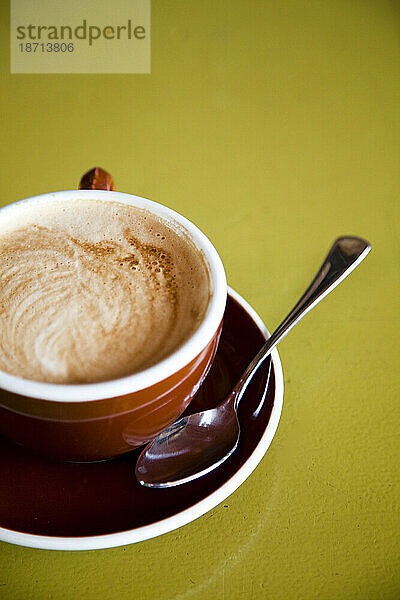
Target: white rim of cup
x: 168, y: 366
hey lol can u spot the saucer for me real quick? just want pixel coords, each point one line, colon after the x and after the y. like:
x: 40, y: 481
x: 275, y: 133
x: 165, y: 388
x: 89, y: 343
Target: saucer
x: 78, y: 506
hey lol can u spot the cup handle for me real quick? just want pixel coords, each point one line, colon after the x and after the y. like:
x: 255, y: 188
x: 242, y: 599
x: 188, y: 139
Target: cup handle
x: 97, y: 179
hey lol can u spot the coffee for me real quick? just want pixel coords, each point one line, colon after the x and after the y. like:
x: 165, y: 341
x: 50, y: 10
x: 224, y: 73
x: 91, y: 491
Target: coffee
x: 93, y: 290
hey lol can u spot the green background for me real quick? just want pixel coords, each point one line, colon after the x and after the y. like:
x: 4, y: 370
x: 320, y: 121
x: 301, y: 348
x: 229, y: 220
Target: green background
x: 274, y: 126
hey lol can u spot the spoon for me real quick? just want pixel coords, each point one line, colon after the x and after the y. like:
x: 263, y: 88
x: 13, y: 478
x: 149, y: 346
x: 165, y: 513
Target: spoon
x: 196, y: 444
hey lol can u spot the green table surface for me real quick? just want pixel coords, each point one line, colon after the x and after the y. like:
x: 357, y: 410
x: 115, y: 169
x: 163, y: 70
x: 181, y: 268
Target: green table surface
x: 274, y: 126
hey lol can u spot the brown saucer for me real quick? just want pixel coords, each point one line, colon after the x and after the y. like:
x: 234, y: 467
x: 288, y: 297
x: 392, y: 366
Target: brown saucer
x: 58, y: 505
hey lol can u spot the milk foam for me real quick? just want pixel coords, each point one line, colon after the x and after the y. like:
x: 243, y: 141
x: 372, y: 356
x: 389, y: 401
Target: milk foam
x: 93, y: 290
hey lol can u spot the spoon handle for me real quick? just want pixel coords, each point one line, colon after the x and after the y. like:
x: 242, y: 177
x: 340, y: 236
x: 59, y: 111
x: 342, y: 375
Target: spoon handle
x: 345, y: 255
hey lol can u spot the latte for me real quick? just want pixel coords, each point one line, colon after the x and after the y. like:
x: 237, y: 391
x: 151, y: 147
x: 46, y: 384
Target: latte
x: 93, y: 290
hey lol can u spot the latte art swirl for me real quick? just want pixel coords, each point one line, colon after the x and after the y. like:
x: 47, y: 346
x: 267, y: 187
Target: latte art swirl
x: 75, y: 309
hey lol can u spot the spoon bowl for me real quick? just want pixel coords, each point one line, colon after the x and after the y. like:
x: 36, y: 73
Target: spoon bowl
x: 206, y: 438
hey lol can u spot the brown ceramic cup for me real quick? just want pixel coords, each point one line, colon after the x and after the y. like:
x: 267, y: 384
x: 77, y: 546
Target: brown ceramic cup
x: 90, y: 422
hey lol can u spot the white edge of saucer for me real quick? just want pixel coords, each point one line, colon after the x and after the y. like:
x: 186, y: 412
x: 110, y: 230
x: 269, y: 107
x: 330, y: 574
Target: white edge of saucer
x: 188, y: 515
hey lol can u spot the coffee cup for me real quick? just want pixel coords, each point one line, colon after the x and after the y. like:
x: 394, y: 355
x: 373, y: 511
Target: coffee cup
x: 99, y: 420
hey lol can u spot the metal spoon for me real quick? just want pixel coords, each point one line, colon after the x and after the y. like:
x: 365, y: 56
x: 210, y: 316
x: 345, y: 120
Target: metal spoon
x: 197, y: 444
